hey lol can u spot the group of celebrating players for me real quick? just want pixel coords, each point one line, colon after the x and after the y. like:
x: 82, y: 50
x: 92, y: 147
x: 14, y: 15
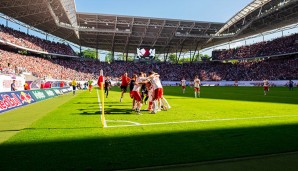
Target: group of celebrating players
x: 142, y: 86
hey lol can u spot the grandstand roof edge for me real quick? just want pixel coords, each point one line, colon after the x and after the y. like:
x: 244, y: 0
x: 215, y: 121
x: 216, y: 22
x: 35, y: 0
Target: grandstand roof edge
x: 240, y: 12
x: 142, y: 17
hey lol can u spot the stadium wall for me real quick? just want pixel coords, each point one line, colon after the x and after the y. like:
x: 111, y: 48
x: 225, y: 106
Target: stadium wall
x: 17, y: 99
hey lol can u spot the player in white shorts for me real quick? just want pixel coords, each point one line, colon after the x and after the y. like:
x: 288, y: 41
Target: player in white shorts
x: 197, y: 83
x: 136, y: 92
x: 266, y: 87
x: 158, y: 99
x: 183, y: 84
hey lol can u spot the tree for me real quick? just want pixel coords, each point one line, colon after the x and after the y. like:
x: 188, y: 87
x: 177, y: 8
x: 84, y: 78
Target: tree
x: 130, y: 58
x: 89, y: 53
x: 109, y: 57
x: 198, y: 57
x: 172, y: 58
x: 157, y: 58
x: 201, y: 57
x: 205, y: 57
x: 184, y: 60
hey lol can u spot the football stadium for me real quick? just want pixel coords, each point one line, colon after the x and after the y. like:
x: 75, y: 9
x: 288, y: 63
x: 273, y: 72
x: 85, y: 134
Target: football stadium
x: 90, y: 90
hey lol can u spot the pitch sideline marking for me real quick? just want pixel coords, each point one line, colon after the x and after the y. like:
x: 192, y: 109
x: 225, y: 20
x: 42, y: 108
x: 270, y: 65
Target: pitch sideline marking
x: 98, y: 99
x: 198, y: 121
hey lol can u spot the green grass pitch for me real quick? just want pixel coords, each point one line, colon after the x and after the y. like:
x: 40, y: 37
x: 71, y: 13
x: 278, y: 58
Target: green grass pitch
x: 65, y: 133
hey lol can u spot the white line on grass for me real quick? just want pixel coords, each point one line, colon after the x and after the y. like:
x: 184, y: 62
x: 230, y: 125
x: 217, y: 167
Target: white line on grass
x: 100, y: 109
x: 208, y: 120
x: 122, y: 121
x: 98, y: 99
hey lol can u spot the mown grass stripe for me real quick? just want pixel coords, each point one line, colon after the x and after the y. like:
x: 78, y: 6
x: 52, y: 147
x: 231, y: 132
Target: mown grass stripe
x: 18, y: 119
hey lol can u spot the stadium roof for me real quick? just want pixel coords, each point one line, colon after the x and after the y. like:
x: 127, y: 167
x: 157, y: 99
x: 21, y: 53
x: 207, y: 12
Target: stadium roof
x: 126, y: 33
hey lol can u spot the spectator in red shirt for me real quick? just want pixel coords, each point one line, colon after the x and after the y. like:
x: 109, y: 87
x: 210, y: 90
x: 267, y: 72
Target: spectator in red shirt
x: 61, y: 84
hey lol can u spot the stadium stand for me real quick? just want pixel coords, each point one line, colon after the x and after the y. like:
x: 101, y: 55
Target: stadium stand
x: 34, y: 43
x: 279, y: 46
x: 67, y: 69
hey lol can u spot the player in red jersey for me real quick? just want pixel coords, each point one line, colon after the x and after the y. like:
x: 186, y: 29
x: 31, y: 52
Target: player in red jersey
x: 131, y: 86
x: 124, y: 83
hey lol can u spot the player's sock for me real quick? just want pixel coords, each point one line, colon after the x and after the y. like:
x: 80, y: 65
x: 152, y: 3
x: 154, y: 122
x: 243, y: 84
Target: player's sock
x: 155, y: 106
x: 150, y: 105
x: 140, y: 106
x: 135, y: 105
x: 195, y: 95
x: 137, y: 110
x: 165, y: 102
x: 159, y: 105
x: 199, y: 94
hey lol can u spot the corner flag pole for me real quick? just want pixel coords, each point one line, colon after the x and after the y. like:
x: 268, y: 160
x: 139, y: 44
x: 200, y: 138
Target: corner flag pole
x: 103, y: 120
x: 100, y: 83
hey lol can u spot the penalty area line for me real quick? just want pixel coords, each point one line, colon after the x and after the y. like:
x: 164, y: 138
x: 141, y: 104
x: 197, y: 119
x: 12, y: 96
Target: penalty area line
x: 198, y: 121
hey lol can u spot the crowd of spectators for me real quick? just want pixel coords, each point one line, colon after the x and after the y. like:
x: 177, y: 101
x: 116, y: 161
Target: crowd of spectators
x: 32, y: 42
x: 45, y: 67
x: 282, y: 45
x: 68, y: 69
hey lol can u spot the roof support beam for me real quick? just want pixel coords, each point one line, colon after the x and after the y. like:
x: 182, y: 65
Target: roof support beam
x: 128, y: 37
x: 115, y: 27
x: 193, y: 56
x: 178, y: 58
x: 144, y: 33
x: 173, y: 34
x: 159, y: 32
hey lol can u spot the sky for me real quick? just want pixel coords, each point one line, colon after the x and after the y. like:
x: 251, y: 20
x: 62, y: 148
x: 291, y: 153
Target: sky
x: 199, y: 10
